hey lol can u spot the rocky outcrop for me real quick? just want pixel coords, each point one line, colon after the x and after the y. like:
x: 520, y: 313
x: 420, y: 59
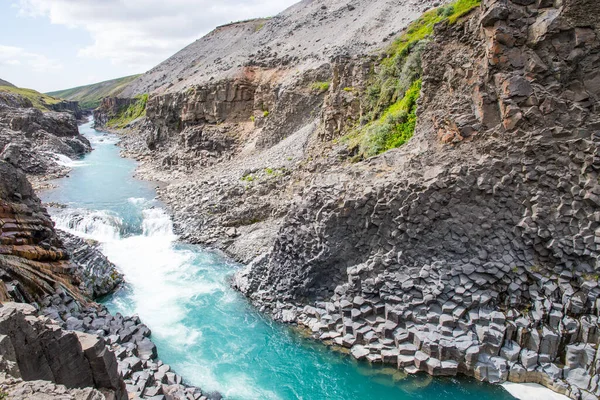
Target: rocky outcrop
x: 71, y: 107
x: 109, y: 108
x: 35, y: 349
x: 31, y: 140
x: 473, y: 248
x: 98, y: 275
x: 128, y: 339
x: 33, y: 261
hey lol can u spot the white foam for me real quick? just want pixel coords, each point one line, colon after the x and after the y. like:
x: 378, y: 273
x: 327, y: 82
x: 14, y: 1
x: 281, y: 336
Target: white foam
x: 103, y: 139
x: 532, y: 391
x: 157, y: 223
x: 65, y: 161
x: 102, y: 226
x: 137, y: 201
x: 233, y: 385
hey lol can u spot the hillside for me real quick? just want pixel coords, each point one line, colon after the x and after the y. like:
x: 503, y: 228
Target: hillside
x: 5, y: 83
x: 42, y: 102
x: 303, y: 37
x: 89, y: 96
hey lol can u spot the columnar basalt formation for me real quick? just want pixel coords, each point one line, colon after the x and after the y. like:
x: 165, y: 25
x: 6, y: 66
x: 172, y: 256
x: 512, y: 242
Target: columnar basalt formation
x: 473, y: 249
x: 36, y: 349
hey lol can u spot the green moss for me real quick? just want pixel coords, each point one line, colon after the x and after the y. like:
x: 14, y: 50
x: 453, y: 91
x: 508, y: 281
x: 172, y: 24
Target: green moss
x: 320, y: 87
x: 269, y: 171
x: 249, y: 178
x: 128, y: 114
x: 389, y: 100
x: 265, y: 114
x: 394, y: 128
x: 39, y: 100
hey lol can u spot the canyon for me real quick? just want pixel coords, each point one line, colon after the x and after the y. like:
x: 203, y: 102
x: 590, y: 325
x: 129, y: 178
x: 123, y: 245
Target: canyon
x: 414, y: 184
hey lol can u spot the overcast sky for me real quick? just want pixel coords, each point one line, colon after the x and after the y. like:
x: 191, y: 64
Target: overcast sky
x: 58, y: 44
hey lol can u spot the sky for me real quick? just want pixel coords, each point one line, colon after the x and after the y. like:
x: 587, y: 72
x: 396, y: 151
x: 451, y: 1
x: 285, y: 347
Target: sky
x: 58, y: 44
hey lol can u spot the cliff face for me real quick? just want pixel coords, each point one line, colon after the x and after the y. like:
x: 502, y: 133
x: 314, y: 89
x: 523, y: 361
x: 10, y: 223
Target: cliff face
x: 472, y: 249
x: 31, y: 139
x: 32, y: 259
x: 34, y: 351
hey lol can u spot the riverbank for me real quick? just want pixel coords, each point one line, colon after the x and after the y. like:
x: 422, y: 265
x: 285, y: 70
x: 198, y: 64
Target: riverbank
x: 202, y: 328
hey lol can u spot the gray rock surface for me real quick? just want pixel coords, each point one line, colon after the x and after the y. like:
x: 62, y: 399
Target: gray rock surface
x: 40, y: 351
x: 470, y: 250
x: 30, y: 138
x: 119, y: 347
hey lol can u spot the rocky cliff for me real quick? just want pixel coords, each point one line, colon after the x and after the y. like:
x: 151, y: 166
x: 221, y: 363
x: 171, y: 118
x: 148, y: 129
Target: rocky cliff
x: 33, y: 140
x: 468, y: 243
x: 34, y: 351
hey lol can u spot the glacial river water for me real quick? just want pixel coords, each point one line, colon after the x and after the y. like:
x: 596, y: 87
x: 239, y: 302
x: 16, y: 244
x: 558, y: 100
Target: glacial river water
x: 206, y: 331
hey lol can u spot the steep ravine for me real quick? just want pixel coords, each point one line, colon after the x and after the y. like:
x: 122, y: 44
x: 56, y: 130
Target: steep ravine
x: 471, y: 249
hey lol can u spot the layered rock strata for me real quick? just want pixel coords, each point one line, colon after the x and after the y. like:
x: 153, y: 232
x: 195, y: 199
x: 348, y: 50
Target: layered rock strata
x: 33, y: 261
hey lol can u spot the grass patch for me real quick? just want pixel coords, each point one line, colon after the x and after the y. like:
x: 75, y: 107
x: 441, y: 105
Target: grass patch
x: 320, y: 87
x: 128, y: 114
x: 249, y: 178
x: 259, y: 27
x: 394, y: 128
x: 39, y: 100
x: 390, y: 98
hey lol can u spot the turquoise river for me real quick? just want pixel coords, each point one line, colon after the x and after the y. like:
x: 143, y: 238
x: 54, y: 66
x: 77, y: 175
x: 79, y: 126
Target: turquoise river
x: 206, y: 331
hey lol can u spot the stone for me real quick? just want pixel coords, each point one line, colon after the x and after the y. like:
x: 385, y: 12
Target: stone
x: 359, y: 352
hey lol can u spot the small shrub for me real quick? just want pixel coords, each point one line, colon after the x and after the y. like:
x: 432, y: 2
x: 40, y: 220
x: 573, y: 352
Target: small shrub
x: 252, y: 118
x: 265, y: 114
x: 269, y: 171
x: 320, y: 87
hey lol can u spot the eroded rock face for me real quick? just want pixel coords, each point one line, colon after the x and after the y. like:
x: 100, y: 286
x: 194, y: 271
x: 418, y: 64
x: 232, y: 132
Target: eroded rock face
x: 36, y: 349
x: 98, y: 275
x: 473, y: 249
x: 33, y: 261
x: 30, y: 139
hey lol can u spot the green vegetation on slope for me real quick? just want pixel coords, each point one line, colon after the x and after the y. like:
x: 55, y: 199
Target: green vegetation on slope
x: 39, y: 100
x: 391, y: 98
x: 89, y: 96
x: 129, y: 113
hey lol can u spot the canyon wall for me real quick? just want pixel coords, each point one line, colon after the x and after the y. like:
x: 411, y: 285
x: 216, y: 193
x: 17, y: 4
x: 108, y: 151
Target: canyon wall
x: 472, y: 248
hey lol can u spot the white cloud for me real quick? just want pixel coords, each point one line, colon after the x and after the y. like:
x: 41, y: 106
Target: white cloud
x: 142, y: 33
x: 11, y: 56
